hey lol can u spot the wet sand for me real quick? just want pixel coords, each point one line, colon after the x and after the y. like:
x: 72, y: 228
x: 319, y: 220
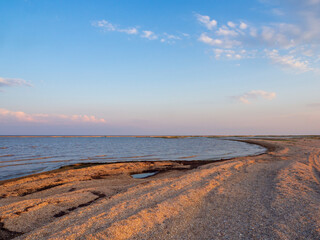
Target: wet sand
x: 275, y: 195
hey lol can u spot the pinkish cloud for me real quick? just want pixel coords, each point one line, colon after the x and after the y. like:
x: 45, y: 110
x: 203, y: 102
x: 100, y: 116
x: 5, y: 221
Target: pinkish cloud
x: 254, y: 95
x: 13, y: 82
x: 7, y: 115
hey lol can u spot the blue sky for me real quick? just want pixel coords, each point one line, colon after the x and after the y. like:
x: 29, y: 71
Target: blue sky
x: 160, y: 67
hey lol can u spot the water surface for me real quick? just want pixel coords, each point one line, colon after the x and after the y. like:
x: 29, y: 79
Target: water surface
x: 20, y: 156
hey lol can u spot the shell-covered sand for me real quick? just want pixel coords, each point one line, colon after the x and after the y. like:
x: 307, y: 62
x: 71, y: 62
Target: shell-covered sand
x: 272, y: 196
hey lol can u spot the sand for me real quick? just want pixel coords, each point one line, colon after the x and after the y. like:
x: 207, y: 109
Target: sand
x: 275, y: 195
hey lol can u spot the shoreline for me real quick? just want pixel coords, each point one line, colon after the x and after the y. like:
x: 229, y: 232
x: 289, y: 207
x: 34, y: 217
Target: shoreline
x: 274, y: 195
x: 191, y: 163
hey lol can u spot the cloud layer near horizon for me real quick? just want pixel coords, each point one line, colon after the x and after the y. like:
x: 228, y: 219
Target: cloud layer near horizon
x: 19, y: 116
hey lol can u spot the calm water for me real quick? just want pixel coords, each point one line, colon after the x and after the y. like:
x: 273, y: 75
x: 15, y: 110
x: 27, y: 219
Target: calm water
x: 27, y: 155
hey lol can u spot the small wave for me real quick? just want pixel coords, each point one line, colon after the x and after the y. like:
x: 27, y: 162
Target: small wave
x: 7, y: 155
x: 228, y: 153
x: 192, y: 156
x: 96, y: 158
x: 27, y: 159
x: 142, y: 156
x: 39, y: 158
x: 35, y: 163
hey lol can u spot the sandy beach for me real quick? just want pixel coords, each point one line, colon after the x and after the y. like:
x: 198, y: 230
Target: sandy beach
x: 275, y: 195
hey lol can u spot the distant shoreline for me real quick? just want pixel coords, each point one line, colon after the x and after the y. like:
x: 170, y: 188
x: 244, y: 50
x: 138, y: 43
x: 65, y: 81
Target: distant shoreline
x: 156, y: 136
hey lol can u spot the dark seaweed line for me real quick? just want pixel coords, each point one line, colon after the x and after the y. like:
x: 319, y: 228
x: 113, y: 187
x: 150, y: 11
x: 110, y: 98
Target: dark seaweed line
x: 6, y: 234
x: 98, y: 194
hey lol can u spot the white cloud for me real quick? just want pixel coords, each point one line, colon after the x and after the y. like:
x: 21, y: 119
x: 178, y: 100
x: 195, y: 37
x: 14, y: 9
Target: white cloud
x: 208, y: 40
x: 205, y: 20
x: 107, y: 26
x: 19, y: 116
x: 170, y: 36
x: 288, y: 61
x: 233, y: 54
x: 129, y: 31
x: 228, y: 54
x: 243, y: 26
x: 248, y: 97
x: 231, y: 24
x: 224, y: 43
x: 149, y: 35
x: 224, y: 31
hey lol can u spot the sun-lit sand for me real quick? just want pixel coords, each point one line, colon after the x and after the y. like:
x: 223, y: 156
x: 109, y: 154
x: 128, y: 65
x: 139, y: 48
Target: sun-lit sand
x: 272, y: 196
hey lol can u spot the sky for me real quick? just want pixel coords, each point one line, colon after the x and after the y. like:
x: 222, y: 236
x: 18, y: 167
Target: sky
x: 151, y: 67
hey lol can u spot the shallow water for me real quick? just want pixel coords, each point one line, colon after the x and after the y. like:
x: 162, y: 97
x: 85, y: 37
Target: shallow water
x: 144, y: 175
x: 20, y: 156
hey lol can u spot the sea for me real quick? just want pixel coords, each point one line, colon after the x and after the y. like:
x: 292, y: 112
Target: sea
x: 21, y: 156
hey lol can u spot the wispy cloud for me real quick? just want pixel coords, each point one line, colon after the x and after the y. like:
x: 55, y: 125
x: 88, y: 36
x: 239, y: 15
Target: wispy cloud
x: 13, y: 82
x: 107, y: 26
x: 19, y: 116
x: 288, y: 61
x: 131, y: 30
x: 208, y: 40
x: 229, y: 54
x: 226, y: 36
x: 224, y: 31
x: 292, y: 43
x: 217, y: 42
x: 277, y: 12
x: 248, y: 97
